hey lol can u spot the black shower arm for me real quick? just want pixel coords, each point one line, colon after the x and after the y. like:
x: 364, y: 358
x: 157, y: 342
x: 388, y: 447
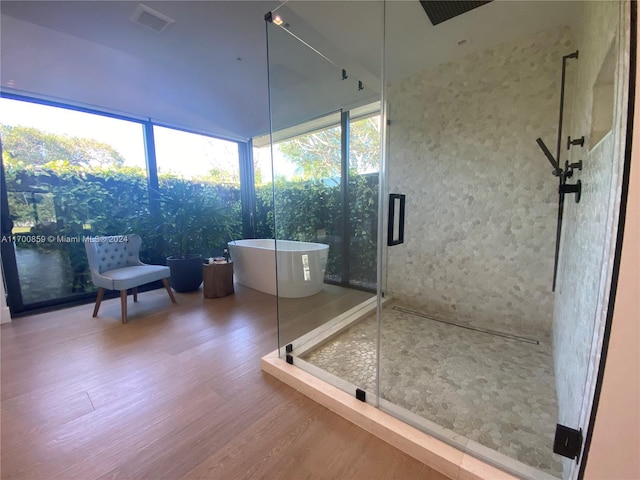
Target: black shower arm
x: 557, y: 171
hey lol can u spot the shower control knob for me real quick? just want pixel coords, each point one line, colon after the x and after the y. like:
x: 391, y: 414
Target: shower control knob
x: 577, y: 141
x: 577, y: 165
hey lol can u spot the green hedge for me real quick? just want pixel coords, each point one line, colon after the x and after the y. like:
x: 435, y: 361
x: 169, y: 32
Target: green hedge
x: 62, y: 200
x: 311, y: 211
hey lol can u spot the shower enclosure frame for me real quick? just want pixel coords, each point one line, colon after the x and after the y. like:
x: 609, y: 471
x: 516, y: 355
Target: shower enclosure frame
x: 608, y: 279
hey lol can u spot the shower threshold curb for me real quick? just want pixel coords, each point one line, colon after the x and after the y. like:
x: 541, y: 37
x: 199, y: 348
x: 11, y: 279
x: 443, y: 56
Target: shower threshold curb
x: 434, y: 453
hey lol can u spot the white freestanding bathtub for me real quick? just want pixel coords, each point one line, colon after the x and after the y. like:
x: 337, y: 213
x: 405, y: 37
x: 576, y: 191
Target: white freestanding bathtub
x: 301, y: 266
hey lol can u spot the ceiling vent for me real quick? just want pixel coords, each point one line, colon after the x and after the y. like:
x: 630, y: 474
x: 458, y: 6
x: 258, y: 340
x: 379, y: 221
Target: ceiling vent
x: 150, y: 18
x: 442, y: 10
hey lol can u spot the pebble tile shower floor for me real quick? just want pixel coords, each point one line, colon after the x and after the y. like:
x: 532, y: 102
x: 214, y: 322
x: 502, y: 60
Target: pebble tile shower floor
x: 497, y: 391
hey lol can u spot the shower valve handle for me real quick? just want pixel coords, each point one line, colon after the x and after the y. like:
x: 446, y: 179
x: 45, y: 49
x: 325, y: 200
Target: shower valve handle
x: 576, y: 188
x: 570, y: 167
x: 576, y: 165
x: 575, y: 141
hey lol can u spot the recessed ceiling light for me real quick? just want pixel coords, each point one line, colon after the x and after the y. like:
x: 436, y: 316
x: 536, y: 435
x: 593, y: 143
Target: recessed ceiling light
x: 277, y: 20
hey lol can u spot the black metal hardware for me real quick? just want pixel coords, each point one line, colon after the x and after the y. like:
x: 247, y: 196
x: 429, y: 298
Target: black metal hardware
x: 567, y: 172
x: 344, y: 74
x: 6, y: 225
x: 344, y: 226
x: 564, y: 74
x: 247, y: 192
x: 391, y: 240
x: 440, y: 11
x: 289, y: 348
x: 360, y: 85
x: 576, y: 165
x: 268, y: 17
x: 566, y: 188
x: 567, y: 442
x: 557, y: 171
x: 570, y: 167
x: 561, y: 179
x: 289, y: 359
x: 13, y: 293
x: 361, y: 395
x: 576, y: 141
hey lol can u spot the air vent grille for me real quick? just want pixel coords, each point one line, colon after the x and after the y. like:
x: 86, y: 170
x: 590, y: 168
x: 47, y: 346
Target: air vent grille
x: 442, y: 10
x: 150, y: 18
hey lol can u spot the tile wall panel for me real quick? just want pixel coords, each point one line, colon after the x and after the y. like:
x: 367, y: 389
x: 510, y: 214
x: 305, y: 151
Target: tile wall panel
x: 481, y: 199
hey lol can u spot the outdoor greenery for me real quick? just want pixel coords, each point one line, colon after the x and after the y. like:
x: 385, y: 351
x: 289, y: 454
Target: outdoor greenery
x: 317, y: 154
x: 198, y: 218
x: 34, y: 147
x: 311, y: 211
x: 69, y: 188
x: 309, y: 207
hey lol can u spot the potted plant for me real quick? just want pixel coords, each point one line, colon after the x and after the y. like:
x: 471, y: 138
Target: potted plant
x: 193, y: 224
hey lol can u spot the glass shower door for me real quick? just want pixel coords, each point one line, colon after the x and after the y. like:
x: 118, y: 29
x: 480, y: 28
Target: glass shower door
x: 466, y: 351
x: 324, y: 198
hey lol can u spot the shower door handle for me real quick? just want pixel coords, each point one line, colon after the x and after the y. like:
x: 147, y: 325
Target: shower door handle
x: 395, y: 230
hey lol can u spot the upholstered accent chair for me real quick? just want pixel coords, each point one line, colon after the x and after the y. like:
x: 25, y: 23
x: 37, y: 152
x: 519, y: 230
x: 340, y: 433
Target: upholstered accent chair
x: 115, y: 265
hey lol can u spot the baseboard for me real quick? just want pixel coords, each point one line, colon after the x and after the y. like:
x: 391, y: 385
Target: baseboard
x: 434, y: 453
x: 5, y: 315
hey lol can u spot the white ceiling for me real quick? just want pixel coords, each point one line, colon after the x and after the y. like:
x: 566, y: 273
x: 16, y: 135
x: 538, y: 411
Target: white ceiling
x: 208, y: 70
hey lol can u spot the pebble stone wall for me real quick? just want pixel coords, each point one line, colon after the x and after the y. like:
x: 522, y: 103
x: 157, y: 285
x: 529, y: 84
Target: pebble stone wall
x: 481, y: 199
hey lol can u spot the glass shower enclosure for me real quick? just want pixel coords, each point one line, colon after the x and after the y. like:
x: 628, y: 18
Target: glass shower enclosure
x: 411, y: 154
x: 325, y: 138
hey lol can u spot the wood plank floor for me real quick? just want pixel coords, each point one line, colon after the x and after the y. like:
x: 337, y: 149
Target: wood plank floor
x: 298, y: 316
x: 177, y: 393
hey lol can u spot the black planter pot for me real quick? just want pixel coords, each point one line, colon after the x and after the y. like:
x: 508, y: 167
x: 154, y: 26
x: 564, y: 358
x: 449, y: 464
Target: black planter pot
x: 186, y: 273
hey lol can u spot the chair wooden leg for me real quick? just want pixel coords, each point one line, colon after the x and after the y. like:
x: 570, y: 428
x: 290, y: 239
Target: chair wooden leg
x: 123, y: 302
x: 98, y: 301
x: 165, y: 282
x: 135, y: 294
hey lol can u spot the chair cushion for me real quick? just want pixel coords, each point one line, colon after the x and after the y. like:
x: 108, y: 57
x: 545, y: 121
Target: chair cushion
x: 112, y: 255
x: 129, y: 277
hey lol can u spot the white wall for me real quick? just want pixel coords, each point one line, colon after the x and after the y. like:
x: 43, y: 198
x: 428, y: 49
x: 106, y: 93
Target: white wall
x: 86, y: 73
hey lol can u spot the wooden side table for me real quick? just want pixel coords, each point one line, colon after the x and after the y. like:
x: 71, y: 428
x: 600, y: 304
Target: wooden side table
x: 218, y: 279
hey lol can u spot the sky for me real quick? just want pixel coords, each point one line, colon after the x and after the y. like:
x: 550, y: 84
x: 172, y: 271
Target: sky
x: 181, y: 152
x: 186, y: 154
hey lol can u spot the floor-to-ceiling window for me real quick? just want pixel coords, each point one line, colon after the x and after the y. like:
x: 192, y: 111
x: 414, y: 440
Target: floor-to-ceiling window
x: 364, y: 161
x: 70, y: 174
x: 199, y: 183
x: 332, y: 180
